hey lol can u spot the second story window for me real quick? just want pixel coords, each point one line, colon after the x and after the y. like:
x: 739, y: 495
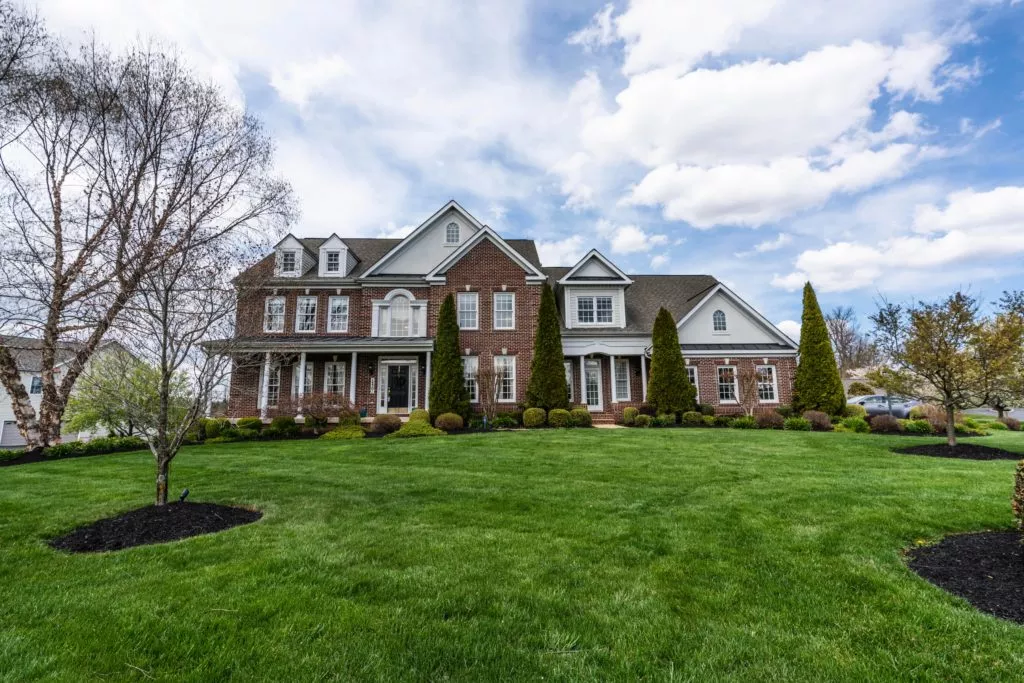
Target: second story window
x: 451, y: 233
x: 289, y: 264
x: 594, y: 310
x: 273, y: 315
x: 400, y: 314
x: 334, y: 262
x: 305, y: 314
x: 37, y: 385
x: 718, y: 322
x: 504, y: 311
x: 468, y: 305
x: 337, y: 315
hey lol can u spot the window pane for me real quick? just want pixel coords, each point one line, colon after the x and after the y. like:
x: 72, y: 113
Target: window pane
x: 504, y: 311
x: 305, y: 314
x: 719, y: 321
x: 505, y: 367
x: 308, y: 386
x: 467, y: 305
x: 726, y: 384
x: 334, y: 378
x: 590, y: 382
x: 691, y: 373
x: 274, y: 316
x: 337, y: 320
x: 274, y: 387
x: 622, y: 380
x: 585, y: 309
x: 288, y: 261
x: 399, y: 317
x: 604, y: 309
x: 333, y: 261
x: 469, y: 369
x: 766, y: 383
x: 568, y: 378
x: 451, y: 235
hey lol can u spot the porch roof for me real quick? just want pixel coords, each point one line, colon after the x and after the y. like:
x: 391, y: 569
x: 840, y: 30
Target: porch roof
x: 320, y: 344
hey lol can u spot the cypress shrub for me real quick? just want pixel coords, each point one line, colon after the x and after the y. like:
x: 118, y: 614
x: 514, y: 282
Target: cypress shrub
x: 668, y: 389
x: 447, y: 386
x: 547, y: 388
x: 818, y: 385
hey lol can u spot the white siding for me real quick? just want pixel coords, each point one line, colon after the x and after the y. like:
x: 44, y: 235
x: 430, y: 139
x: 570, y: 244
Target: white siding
x: 618, y: 305
x: 420, y: 255
x: 742, y: 328
x: 594, y: 268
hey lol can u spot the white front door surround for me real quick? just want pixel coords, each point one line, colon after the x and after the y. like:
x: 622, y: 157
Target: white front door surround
x: 593, y: 390
x: 397, y: 385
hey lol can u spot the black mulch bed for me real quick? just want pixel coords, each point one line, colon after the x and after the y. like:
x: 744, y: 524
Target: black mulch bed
x: 986, y: 569
x: 962, y: 451
x: 152, y: 524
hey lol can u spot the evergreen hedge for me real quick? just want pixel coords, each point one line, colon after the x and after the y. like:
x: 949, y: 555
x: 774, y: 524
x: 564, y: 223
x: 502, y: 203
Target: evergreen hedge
x: 668, y: 389
x: 818, y: 385
x: 447, y: 386
x: 547, y: 388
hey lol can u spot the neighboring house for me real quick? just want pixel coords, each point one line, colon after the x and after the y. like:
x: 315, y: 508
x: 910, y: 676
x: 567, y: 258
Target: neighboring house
x: 357, y: 317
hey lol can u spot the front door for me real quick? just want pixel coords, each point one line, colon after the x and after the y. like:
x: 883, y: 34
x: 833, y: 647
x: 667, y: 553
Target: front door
x: 593, y: 385
x: 398, y: 389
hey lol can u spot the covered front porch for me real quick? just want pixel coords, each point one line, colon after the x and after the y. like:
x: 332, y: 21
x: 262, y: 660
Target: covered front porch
x: 606, y: 376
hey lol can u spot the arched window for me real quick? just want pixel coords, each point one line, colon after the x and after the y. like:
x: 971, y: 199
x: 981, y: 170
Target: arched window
x: 451, y: 233
x: 400, y: 316
x: 718, y: 321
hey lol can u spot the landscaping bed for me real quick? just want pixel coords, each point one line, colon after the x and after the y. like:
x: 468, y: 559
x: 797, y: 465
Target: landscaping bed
x: 986, y: 569
x: 962, y: 451
x: 153, y: 524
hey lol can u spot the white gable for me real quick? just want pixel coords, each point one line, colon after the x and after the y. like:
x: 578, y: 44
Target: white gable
x: 742, y: 326
x: 427, y: 245
x: 303, y: 259
x: 594, y: 268
x: 333, y: 245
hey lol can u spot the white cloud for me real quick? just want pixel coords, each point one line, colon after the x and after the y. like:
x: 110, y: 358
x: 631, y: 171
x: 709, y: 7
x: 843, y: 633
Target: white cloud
x: 598, y: 33
x: 773, y: 245
x: 395, y: 231
x: 630, y: 239
x: 790, y: 328
x: 659, y: 261
x: 565, y: 252
x: 296, y: 82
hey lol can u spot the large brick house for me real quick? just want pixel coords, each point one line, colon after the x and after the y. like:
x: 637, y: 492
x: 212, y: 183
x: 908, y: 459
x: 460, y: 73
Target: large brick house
x: 357, y: 317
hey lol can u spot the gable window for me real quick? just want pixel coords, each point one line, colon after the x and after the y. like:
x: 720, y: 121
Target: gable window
x: 451, y: 233
x: 334, y: 378
x: 594, y: 310
x: 307, y: 387
x: 337, y: 314
x: 273, y: 314
x: 470, y: 365
x: 504, y: 310
x: 766, y: 384
x: 305, y: 314
x: 621, y: 379
x: 289, y: 263
x: 468, y: 305
x: 691, y: 374
x: 726, y: 384
x: 718, y: 322
x: 505, y: 369
x: 334, y: 262
x: 568, y: 378
x: 37, y: 385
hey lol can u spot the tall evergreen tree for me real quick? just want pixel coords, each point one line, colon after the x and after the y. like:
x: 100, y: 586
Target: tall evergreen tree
x: 817, y: 385
x: 669, y: 389
x: 447, y: 387
x: 547, y: 388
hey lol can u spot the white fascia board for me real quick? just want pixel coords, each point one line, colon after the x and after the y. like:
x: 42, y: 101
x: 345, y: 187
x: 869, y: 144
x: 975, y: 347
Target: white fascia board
x: 451, y: 205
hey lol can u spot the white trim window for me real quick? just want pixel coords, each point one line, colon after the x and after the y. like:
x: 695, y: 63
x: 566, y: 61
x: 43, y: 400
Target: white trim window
x: 468, y: 306
x: 305, y: 314
x: 451, y: 233
x: 273, y: 386
x: 727, y: 390
x: 337, y: 314
x: 718, y: 322
x: 289, y: 262
x: 505, y: 368
x: 37, y: 385
x: 621, y: 379
x: 504, y: 310
x: 568, y: 378
x: 273, y: 314
x: 308, y: 385
x: 595, y: 310
x: 470, y: 367
x: 334, y: 378
x: 691, y: 374
x: 767, y: 384
x: 332, y: 262
x: 399, y: 317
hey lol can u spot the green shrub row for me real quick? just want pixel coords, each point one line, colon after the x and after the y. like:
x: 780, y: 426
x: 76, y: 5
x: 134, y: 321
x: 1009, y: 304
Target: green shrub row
x: 108, y: 444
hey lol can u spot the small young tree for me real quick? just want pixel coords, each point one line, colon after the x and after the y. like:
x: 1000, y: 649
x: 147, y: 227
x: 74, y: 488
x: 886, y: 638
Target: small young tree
x: 817, y: 385
x: 547, y: 388
x: 930, y: 354
x: 447, y: 385
x: 668, y: 389
x: 746, y: 377
x: 488, y: 382
x: 110, y: 374
x: 999, y: 346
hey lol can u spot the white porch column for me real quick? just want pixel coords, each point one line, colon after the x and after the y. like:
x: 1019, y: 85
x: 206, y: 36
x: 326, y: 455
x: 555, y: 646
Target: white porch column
x: 265, y: 386
x: 643, y: 374
x: 352, y: 379
x: 426, y: 394
x: 302, y: 380
x: 611, y: 362
x: 583, y: 382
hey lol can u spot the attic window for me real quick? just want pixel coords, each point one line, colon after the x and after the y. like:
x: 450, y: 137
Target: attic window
x: 718, y: 322
x: 451, y: 233
x: 288, y: 262
x: 333, y: 261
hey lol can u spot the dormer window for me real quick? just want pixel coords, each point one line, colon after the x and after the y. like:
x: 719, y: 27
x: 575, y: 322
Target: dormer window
x: 718, y: 322
x: 289, y: 264
x: 451, y: 233
x: 333, y: 261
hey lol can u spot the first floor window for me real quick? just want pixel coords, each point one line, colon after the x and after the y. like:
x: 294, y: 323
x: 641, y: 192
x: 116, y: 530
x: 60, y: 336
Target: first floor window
x: 621, y: 379
x: 273, y: 314
x: 505, y: 368
x: 727, y: 384
x: 307, y: 387
x: 470, y: 364
x: 468, y: 307
x: 766, y: 383
x: 305, y: 314
x: 274, y: 386
x: 334, y: 378
x: 691, y: 374
x: 568, y: 378
x: 337, y: 314
x: 504, y: 311
x: 37, y: 385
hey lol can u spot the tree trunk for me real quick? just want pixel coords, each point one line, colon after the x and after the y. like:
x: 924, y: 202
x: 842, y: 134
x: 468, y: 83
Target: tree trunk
x: 951, y: 426
x: 163, y: 466
x: 1000, y: 412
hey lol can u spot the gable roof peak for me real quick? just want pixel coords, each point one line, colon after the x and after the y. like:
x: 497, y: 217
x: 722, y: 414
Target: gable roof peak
x: 616, y: 276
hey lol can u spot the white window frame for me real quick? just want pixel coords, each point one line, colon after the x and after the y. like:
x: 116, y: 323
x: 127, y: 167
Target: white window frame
x: 266, y: 313
x: 695, y: 380
x: 735, y: 385
x: 716, y: 317
x: 568, y: 378
x: 327, y: 261
x: 470, y: 372
x: 508, y: 371
x: 296, y: 261
x: 494, y: 310
x: 273, y: 386
x: 330, y: 314
x: 616, y: 396
x: 448, y: 234
x: 468, y: 296
x: 592, y: 298
x: 36, y: 385
x: 308, y: 387
x: 774, y: 384
x: 299, y: 314
x: 328, y: 368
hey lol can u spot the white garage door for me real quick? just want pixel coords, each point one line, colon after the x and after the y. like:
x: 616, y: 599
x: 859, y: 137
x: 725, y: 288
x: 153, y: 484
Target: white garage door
x: 9, y: 436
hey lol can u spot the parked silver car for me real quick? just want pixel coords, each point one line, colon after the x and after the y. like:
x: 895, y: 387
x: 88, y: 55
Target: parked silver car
x: 879, y: 404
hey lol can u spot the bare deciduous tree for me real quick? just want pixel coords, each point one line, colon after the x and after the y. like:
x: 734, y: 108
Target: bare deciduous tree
x: 852, y: 348
x: 488, y: 382
x: 746, y: 378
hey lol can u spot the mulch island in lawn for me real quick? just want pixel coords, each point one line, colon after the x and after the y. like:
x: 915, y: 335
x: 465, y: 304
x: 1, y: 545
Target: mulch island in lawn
x: 986, y: 569
x: 963, y: 451
x: 153, y: 524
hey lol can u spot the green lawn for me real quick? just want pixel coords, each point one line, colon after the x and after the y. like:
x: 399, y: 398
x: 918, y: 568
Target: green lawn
x: 667, y: 555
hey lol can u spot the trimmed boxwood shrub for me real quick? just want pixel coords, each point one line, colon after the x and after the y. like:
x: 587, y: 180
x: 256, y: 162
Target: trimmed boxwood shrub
x: 534, y: 417
x: 1013, y: 424
x: 708, y: 420
x: 110, y: 444
x: 284, y: 425
x: 559, y: 417
x: 448, y: 422
x: 796, y: 424
x: 859, y: 389
x: 413, y: 429
x: 745, y: 422
x: 385, y: 423
x: 581, y: 417
x: 770, y: 420
x: 642, y: 420
x: 250, y: 423
x: 419, y: 415
x: 629, y: 416
x: 923, y: 427
x: 692, y: 418
x: 885, y: 424
x: 665, y: 420
x: 854, y: 410
x: 344, y: 433
x: 820, y: 422
x: 857, y: 424
x: 249, y: 434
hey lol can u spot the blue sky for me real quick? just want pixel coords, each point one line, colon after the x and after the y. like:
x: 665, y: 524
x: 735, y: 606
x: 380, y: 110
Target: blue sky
x: 872, y: 147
